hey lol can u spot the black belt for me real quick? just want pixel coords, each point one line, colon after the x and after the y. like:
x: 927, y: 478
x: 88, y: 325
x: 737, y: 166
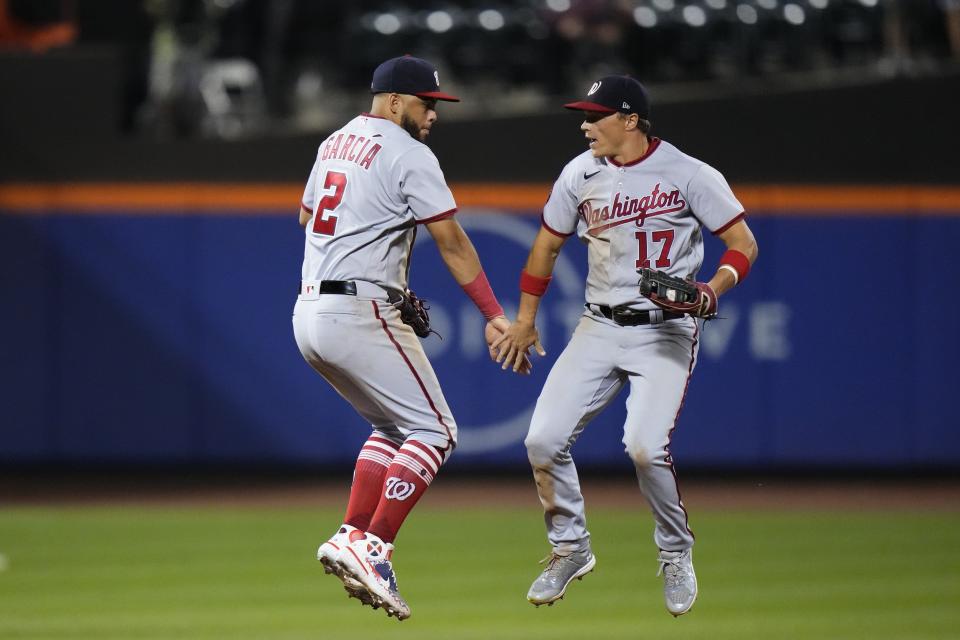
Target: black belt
x: 338, y: 287
x: 629, y: 317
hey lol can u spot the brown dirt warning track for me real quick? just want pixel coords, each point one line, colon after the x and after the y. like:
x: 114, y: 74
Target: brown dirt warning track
x: 940, y: 494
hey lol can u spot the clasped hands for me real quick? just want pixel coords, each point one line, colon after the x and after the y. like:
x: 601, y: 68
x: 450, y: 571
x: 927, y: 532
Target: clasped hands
x: 509, y: 343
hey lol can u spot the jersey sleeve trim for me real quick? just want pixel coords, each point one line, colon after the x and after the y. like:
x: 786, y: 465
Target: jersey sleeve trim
x: 439, y: 216
x: 736, y: 219
x: 306, y: 208
x: 543, y: 222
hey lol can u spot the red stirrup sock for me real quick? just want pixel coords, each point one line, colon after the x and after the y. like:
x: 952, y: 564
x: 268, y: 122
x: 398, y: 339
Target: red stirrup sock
x: 368, y: 474
x: 408, y: 477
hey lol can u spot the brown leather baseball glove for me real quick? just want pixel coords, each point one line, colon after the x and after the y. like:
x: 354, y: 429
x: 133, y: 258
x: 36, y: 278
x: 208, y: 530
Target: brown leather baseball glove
x: 675, y: 294
x: 413, y: 312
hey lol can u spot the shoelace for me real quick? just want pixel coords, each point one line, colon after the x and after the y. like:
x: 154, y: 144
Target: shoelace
x: 554, y: 560
x: 675, y: 575
x: 553, y: 563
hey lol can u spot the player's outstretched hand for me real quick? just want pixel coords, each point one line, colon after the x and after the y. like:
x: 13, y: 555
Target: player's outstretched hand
x: 513, y: 347
x: 494, y: 332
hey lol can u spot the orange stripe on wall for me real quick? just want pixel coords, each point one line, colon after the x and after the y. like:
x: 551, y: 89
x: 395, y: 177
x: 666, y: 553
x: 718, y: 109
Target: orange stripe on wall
x: 849, y: 198
x: 165, y: 197
x: 283, y: 199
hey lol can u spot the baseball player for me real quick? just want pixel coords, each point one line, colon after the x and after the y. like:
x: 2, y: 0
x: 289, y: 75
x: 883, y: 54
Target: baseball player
x: 638, y: 203
x: 373, y: 184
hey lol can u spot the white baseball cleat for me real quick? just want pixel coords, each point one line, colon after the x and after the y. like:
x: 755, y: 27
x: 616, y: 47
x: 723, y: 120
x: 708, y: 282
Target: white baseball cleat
x: 679, y: 580
x: 329, y: 556
x: 367, y: 560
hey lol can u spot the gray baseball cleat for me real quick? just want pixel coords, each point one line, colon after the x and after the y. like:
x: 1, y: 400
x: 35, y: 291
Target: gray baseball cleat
x: 560, y: 572
x: 679, y: 580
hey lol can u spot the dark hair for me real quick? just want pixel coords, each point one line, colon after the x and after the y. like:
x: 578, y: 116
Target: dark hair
x: 643, y: 125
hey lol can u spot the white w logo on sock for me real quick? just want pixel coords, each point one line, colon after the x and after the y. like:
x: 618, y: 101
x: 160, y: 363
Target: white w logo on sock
x: 398, y: 489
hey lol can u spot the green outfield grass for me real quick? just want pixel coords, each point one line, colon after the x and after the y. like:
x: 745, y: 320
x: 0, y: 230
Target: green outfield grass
x: 104, y: 573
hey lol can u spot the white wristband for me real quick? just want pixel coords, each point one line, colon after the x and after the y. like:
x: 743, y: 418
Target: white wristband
x: 733, y: 272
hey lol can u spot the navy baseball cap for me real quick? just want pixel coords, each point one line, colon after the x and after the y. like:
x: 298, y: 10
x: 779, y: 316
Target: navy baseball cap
x: 409, y: 75
x: 611, y: 94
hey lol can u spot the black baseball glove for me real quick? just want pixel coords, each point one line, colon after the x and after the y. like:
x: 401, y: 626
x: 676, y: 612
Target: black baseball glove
x: 413, y: 312
x: 676, y: 294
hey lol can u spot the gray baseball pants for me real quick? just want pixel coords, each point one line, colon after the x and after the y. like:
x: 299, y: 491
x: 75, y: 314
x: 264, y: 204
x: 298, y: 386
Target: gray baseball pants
x: 657, y: 360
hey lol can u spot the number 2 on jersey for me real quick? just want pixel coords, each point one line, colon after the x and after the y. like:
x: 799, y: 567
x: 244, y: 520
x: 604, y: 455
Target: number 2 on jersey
x: 323, y: 223
x: 664, y: 236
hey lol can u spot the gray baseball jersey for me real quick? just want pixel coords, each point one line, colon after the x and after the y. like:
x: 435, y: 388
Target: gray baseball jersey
x: 647, y: 213
x: 371, y: 184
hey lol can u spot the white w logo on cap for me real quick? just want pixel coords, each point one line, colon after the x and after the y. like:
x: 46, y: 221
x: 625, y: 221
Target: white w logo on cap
x: 436, y: 77
x: 594, y: 88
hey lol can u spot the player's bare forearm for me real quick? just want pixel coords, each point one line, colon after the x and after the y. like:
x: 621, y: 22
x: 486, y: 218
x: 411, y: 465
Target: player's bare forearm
x: 455, y: 248
x: 543, y: 256
x: 461, y: 259
x: 740, y: 238
x: 304, y: 217
x: 527, y: 311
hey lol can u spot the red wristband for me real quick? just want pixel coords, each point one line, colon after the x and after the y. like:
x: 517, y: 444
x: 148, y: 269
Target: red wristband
x: 737, y: 261
x: 482, y: 295
x: 534, y: 285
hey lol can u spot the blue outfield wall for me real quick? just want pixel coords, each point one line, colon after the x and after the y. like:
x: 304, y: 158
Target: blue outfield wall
x: 167, y: 338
